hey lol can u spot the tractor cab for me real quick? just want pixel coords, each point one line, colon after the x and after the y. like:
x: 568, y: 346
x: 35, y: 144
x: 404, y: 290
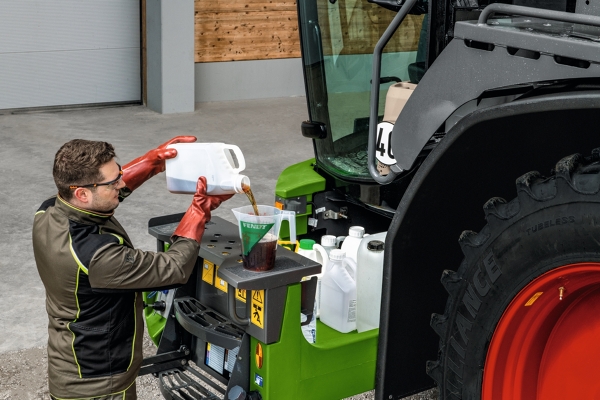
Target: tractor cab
x: 337, y: 41
x: 343, y: 53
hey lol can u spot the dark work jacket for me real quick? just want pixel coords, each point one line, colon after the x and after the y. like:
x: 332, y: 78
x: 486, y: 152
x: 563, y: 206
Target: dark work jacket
x: 93, y: 276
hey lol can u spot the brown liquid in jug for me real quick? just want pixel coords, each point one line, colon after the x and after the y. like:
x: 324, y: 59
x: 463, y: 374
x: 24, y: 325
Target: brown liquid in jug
x: 262, y: 256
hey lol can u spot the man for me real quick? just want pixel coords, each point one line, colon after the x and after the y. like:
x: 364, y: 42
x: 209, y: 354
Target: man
x: 93, y: 274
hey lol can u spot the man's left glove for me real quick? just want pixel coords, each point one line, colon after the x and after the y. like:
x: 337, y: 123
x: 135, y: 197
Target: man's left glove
x: 145, y: 167
x: 192, y: 224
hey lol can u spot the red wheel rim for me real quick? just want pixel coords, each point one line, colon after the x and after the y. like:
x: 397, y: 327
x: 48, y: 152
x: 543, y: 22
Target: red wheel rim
x: 544, y: 347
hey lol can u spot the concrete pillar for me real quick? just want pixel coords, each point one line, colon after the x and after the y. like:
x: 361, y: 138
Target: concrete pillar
x: 170, y: 55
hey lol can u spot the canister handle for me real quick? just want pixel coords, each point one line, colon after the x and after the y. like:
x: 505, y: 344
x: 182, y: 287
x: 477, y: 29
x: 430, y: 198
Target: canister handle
x: 348, y: 262
x: 322, y: 253
x: 239, y: 155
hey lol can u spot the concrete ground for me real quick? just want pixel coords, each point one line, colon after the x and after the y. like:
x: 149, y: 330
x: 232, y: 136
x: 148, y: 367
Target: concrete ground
x: 267, y: 131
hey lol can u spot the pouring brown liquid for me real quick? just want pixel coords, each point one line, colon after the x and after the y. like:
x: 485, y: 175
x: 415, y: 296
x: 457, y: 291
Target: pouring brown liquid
x: 248, y: 191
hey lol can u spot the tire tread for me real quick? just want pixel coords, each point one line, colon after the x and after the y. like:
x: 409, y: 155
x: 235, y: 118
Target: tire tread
x: 576, y: 174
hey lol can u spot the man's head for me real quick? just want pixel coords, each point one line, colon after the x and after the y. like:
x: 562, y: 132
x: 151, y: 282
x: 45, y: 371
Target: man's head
x: 79, y: 165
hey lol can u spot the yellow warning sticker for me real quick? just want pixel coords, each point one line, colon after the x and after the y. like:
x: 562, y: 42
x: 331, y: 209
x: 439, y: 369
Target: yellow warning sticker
x: 258, y: 308
x: 208, y: 272
x: 220, y: 283
x: 240, y: 294
x: 533, y: 299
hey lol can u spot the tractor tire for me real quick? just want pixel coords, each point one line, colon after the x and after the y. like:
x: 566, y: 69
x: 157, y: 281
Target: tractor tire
x: 522, y: 320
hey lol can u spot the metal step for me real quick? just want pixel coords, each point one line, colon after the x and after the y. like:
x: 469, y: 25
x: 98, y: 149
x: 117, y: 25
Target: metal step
x: 206, y: 323
x: 183, y: 384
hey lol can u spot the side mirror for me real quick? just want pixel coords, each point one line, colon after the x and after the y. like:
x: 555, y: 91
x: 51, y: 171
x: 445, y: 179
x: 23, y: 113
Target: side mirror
x: 314, y: 130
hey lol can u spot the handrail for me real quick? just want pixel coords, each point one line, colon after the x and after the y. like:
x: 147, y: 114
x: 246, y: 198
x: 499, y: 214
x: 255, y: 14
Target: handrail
x: 233, y: 311
x: 374, y: 105
x: 537, y: 13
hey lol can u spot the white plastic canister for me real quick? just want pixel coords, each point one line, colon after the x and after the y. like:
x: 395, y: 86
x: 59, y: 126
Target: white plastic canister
x: 306, y: 249
x: 338, y: 294
x: 369, y: 279
x: 328, y: 243
x: 352, y: 241
x: 309, y: 328
x: 322, y: 252
x: 215, y: 161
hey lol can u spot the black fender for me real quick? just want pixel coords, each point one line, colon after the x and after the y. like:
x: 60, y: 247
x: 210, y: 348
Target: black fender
x: 464, y: 71
x: 479, y: 158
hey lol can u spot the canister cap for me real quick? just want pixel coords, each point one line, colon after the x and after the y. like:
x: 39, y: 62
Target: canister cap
x: 356, y: 231
x: 375, y: 245
x: 307, y: 244
x: 337, y: 254
x: 328, y: 241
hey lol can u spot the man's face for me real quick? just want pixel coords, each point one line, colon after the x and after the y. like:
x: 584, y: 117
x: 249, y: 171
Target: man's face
x: 105, y: 198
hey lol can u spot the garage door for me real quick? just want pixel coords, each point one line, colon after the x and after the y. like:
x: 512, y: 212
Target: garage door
x: 67, y: 52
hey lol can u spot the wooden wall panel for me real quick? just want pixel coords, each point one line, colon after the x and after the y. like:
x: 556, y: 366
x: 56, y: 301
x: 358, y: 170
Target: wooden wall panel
x: 236, y: 30
x: 360, y: 25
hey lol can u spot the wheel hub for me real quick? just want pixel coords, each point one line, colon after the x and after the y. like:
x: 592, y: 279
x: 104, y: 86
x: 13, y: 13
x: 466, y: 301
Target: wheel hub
x: 547, y: 342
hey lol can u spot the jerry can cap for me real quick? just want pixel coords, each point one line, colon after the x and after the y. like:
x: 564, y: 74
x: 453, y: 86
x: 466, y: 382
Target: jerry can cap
x: 375, y: 245
x: 356, y: 231
x: 328, y: 241
x: 337, y: 254
x: 307, y: 244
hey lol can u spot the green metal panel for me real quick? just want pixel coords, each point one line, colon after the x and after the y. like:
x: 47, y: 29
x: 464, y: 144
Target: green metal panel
x: 155, y: 323
x: 299, y: 180
x: 338, y: 365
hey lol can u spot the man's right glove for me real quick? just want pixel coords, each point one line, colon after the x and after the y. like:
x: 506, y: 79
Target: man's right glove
x: 145, y: 167
x: 192, y: 223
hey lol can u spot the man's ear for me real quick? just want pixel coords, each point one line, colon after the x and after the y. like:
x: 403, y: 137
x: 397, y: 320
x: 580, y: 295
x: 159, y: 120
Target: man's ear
x: 82, y: 195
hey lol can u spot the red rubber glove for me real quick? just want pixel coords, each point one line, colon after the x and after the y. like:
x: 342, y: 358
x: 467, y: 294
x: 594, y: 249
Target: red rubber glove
x: 145, y: 167
x: 192, y: 223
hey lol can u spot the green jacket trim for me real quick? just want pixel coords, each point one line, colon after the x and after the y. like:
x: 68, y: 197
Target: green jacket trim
x: 94, y: 214
x: 79, y: 263
x: 123, y: 392
x: 75, y: 320
x: 134, y: 333
x: 121, y: 240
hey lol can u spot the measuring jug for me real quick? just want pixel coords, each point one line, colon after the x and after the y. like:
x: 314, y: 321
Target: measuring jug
x: 220, y: 163
x: 259, y: 234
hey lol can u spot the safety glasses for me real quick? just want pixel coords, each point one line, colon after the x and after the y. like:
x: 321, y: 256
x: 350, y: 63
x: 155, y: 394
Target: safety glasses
x: 116, y: 180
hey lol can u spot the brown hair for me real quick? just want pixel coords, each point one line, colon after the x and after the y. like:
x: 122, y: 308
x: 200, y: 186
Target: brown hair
x: 78, y: 162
